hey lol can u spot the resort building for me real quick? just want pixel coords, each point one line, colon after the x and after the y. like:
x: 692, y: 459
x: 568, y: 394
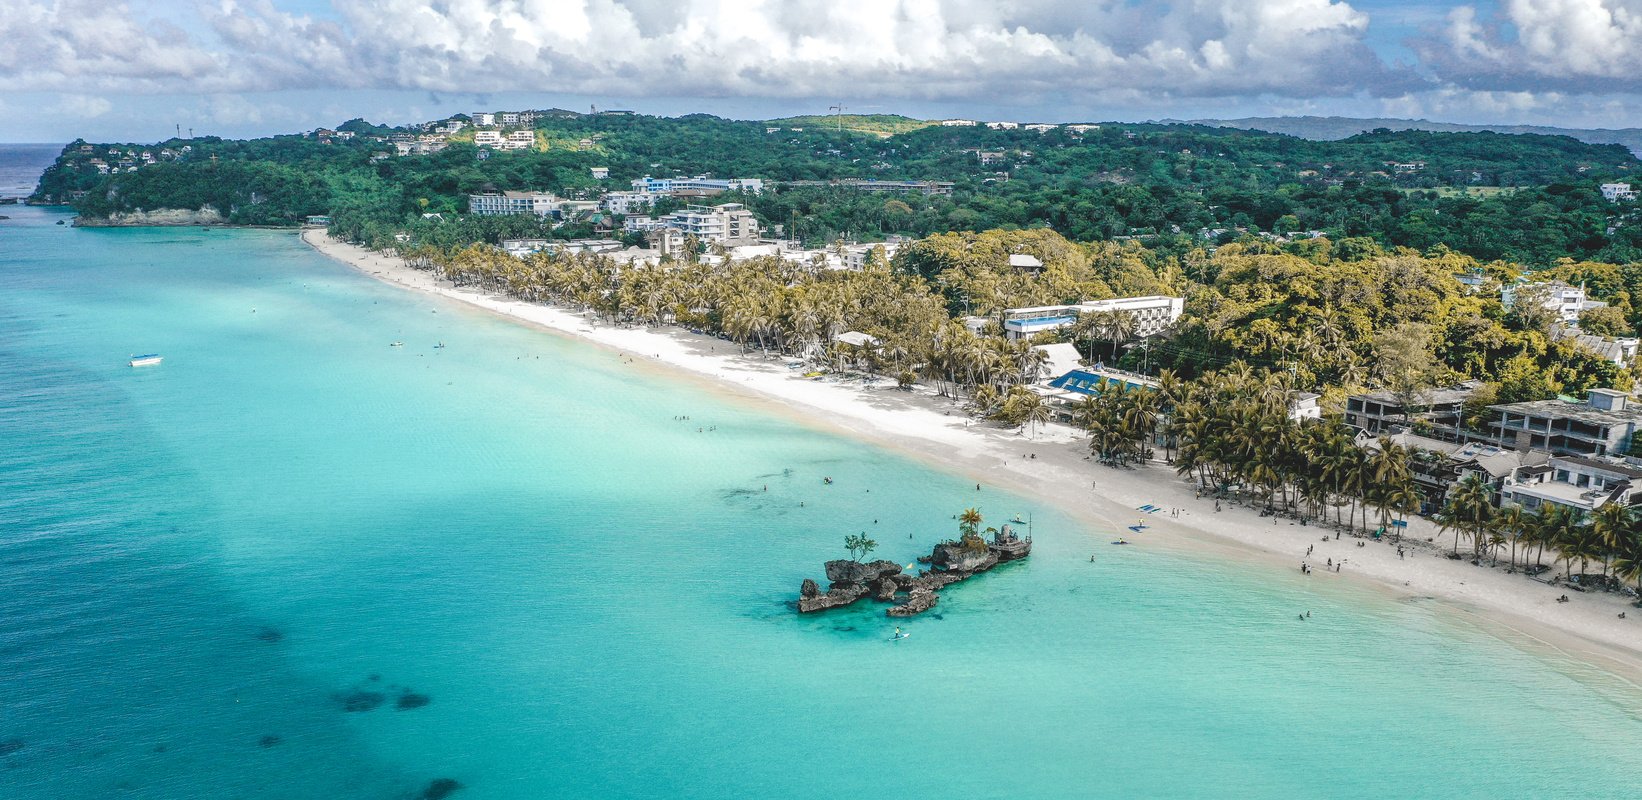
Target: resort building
x: 1583, y: 484
x: 1437, y: 465
x: 932, y: 188
x: 1435, y: 413
x: 699, y: 186
x: 1604, y: 424
x: 627, y: 202
x: 1615, y: 192
x: 487, y: 138
x: 1567, y: 302
x: 958, y: 123
x: 482, y: 119
x: 519, y: 248
x: 728, y: 224
x: 599, y: 173
x: 541, y: 204
x: 1152, y: 315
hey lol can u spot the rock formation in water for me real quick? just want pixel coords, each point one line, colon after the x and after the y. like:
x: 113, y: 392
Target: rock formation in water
x: 950, y: 562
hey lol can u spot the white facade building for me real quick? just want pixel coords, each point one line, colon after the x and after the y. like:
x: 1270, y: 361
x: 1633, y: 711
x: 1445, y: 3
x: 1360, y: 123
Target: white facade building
x: 541, y: 204
x: 627, y: 202
x: 487, y: 138
x: 700, y: 184
x: 1152, y: 314
x: 1567, y: 302
x: 483, y: 119
x: 958, y: 123
x: 729, y: 224
x: 599, y: 173
x: 1615, y: 192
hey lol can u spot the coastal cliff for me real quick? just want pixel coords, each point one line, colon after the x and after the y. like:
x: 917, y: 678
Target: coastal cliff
x: 159, y: 217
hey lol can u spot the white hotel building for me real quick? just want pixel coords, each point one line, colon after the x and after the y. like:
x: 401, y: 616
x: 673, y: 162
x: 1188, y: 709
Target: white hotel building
x: 700, y: 184
x: 1152, y: 314
x: 541, y: 204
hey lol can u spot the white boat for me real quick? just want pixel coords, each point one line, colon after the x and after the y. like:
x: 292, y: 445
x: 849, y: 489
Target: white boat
x: 149, y: 360
x: 396, y: 344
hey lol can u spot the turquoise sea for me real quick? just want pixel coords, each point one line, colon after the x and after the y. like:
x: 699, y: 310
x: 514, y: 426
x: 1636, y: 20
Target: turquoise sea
x: 205, y: 564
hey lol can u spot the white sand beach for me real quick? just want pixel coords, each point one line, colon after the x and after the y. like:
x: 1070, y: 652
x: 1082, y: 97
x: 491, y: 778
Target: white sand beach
x: 1586, y: 628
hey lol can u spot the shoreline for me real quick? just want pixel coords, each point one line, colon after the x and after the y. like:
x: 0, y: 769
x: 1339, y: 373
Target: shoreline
x: 1052, y: 468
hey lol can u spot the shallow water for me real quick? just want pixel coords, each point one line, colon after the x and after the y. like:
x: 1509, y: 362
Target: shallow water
x: 591, y: 595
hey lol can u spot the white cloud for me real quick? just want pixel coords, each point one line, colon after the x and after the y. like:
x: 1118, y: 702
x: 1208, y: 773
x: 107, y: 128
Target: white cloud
x: 82, y: 106
x: 928, y: 49
x: 1575, y: 45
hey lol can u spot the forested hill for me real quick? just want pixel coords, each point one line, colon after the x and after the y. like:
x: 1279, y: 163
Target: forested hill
x: 1531, y: 198
x: 1342, y: 127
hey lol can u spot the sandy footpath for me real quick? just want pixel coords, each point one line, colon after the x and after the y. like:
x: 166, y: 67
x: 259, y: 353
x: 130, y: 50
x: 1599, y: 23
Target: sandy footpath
x: 932, y: 428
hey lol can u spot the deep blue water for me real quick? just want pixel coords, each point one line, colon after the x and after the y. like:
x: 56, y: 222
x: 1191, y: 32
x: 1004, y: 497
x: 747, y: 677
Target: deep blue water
x: 21, y: 165
x: 201, y: 561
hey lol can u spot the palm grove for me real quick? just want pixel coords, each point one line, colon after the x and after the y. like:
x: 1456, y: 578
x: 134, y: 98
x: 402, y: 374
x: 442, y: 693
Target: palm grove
x: 1262, y: 321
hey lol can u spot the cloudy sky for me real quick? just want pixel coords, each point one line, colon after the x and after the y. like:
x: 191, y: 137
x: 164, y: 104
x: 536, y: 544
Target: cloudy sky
x: 136, y: 69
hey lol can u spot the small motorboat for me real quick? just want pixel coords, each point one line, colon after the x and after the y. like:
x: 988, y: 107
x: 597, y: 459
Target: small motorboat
x: 439, y: 346
x: 396, y: 344
x: 1018, y: 521
x: 147, y: 360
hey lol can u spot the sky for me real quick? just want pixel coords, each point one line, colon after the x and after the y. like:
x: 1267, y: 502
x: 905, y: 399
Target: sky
x: 143, y: 70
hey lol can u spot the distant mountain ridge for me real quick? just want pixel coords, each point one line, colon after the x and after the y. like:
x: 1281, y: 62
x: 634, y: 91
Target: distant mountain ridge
x: 1331, y: 128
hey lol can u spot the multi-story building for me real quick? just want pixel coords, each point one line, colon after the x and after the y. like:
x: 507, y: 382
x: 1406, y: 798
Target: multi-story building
x: 508, y: 119
x: 1604, y: 424
x: 542, y: 204
x: 1576, y: 482
x: 1151, y: 315
x: 627, y: 202
x: 1003, y: 126
x: 482, y: 119
x: 520, y: 140
x: 599, y: 173
x: 700, y: 185
x: 958, y: 123
x: 870, y: 185
x: 487, y: 138
x: 1615, y: 192
x: 1567, y: 302
x: 1436, y: 465
x: 1437, y: 412
x: 728, y: 224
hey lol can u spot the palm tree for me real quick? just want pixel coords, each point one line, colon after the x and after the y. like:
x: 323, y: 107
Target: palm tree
x: 1469, y: 508
x: 1628, y: 559
x: 1513, y: 524
x: 1037, y: 413
x: 1116, y: 327
x: 1612, y: 524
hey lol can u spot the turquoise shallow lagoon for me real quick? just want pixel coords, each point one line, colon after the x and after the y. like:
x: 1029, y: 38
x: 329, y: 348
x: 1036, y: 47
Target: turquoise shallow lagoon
x: 201, y: 562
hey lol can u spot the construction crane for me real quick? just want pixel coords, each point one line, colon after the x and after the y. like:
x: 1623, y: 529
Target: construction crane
x: 840, y: 115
